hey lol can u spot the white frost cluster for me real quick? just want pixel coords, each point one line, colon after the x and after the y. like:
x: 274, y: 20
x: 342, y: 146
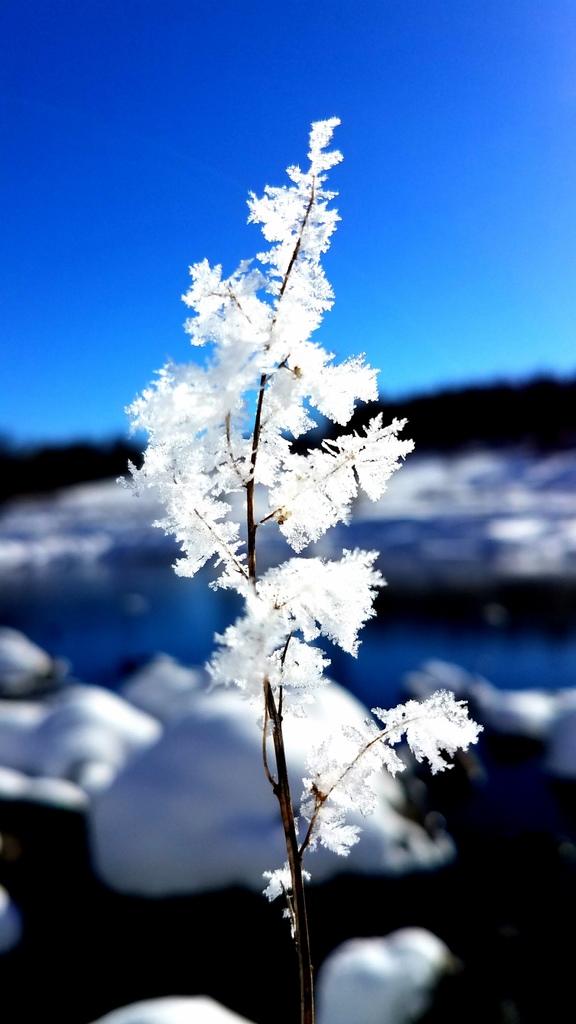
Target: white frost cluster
x: 228, y: 425
x: 343, y: 776
x: 316, y: 490
x: 257, y: 326
x: 291, y: 605
x: 279, y: 882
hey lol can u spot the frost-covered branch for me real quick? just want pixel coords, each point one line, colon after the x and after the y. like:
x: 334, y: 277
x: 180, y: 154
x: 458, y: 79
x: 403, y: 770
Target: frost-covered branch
x: 435, y: 726
x: 315, y: 491
x: 226, y: 426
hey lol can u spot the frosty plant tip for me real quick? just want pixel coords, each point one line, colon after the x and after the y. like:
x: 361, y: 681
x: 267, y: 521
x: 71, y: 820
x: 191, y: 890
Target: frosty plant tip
x: 227, y: 426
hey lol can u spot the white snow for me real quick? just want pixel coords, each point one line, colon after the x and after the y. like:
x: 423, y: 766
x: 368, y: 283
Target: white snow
x: 177, y: 800
x: 84, y: 734
x: 364, y: 981
x: 164, y: 688
x: 528, y: 713
x: 191, y: 1010
x: 545, y: 715
x: 82, y: 524
x: 534, y: 714
x: 391, y: 980
x: 475, y: 517
x: 201, y: 788
x: 10, y: 923
x: 15, y: 785
x: 561, y: 750
x: 22, y: 663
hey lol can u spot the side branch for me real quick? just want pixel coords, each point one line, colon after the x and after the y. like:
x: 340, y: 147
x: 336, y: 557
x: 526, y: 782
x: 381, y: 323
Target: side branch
x: 320, y: 798
x: 229, y: 554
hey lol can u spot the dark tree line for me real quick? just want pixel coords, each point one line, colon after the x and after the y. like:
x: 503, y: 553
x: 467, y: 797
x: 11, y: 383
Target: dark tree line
x: 540, y: 413
x: 38, y: 470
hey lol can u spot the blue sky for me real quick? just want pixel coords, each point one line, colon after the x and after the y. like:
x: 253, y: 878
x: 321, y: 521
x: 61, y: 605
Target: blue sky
x: 131, y: 131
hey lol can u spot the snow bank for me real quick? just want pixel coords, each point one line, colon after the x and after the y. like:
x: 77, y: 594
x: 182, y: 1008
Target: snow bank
x: 194, y: 1010
x: 466, y: 519
x: 392, y: 979
x: 194, y: 812
x: 82, y: 524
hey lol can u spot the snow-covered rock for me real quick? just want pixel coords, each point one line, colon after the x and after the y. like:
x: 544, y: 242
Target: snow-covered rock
x: 24, y: 667
x: 191, y: 1010
x: 527, y: 713
x: 436, y: 674
x: 561, y: 750
x: 84, y: 734
x: 59, y: 793
x: 391, y: 980
x: 194, y: 811
x: 164, y: 688
x: 10, y: 923
x: 365, y: 981
x: 533, y: 714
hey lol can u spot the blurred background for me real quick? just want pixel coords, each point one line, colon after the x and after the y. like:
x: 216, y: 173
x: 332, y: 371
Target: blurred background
x: 131, y: 135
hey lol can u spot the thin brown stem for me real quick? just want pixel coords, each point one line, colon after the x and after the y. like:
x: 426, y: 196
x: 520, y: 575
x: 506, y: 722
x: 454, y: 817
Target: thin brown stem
x: 273, y: 782
x: 251, y: 524
x: 294, y: 255
x: 273, y: 713
x: 282, y: 793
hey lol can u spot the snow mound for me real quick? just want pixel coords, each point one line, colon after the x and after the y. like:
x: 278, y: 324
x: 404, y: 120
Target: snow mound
x: 23, y: 665
x: 561, y: 752
x: 392, y: 979
x: 164, y: 688
x: 194, y: 811
x: 10, y: 923
x: 59, y: 793
x: 194, y: 1010
x: 84, y: 734
x: 528, y: 713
